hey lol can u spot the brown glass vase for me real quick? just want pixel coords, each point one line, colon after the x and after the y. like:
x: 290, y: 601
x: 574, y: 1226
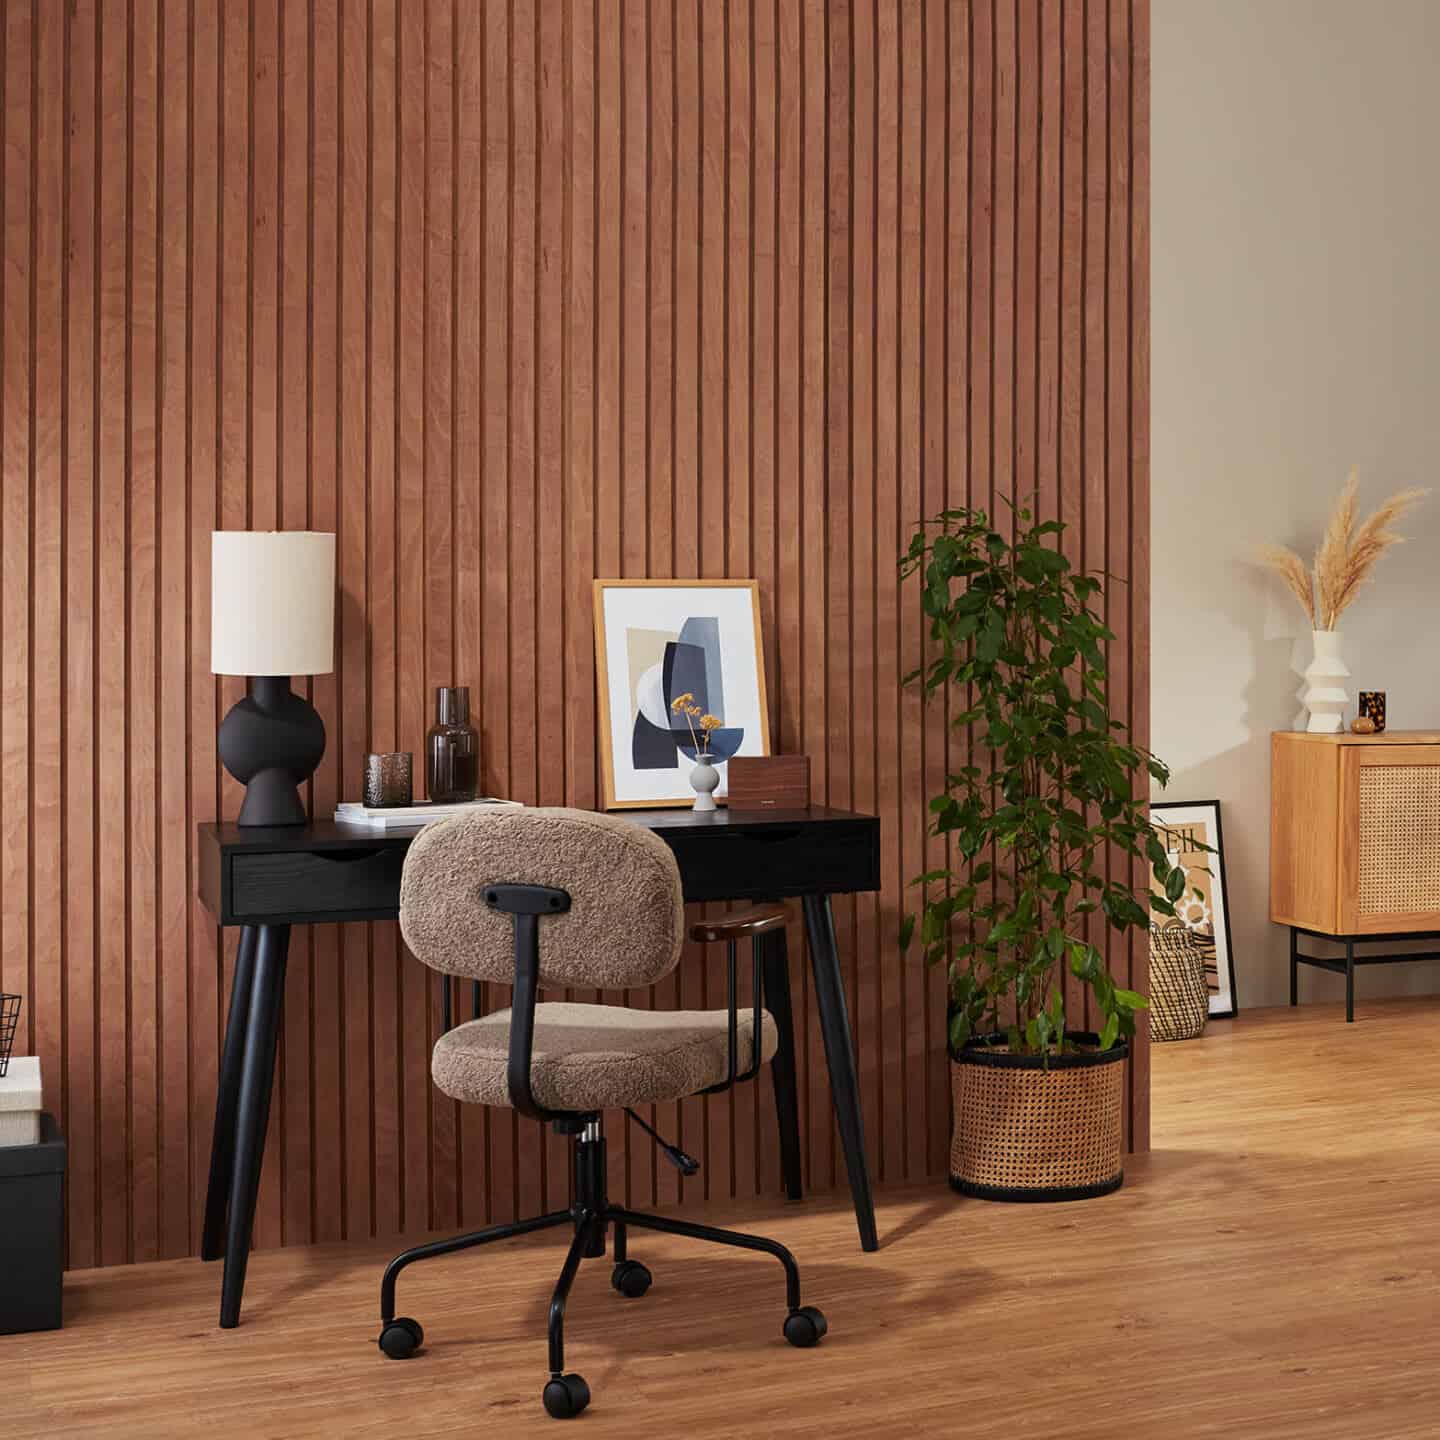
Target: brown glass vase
x: 452, y: 749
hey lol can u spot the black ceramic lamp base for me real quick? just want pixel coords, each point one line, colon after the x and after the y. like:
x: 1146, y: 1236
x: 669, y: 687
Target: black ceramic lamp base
x: 271, y: 742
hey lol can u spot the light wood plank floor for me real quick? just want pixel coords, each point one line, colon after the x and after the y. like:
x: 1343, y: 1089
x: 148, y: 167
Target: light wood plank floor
x: 1270, y: 1270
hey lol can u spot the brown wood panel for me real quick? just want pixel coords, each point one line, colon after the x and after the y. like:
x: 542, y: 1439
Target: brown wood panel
x: 328, y: 1215
x: 292, y: 319
x: 172, y: 571
x: 47, y: 571
x: 511, y: 296
x: 79, y: 1077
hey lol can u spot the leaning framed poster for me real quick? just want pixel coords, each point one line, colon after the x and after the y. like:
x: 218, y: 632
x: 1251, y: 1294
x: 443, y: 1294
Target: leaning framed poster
x: 668, y: 655
x: 1185, y: 829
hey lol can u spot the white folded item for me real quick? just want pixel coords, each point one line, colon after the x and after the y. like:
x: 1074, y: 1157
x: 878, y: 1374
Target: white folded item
x: 20, y: 1101
x: 385, y: 816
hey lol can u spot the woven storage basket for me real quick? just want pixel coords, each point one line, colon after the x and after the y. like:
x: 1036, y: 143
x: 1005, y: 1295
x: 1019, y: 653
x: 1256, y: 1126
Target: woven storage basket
x: 1179, y: 996
x: 1025, y: 1132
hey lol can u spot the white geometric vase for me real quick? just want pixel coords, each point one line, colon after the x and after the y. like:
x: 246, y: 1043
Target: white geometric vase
x: 1325, y: 696
x: 703, y: 780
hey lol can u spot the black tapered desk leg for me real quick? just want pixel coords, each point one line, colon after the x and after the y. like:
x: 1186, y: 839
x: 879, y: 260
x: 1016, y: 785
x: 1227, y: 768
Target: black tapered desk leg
x: 775, y: 979
x: 227, y: 1096
x: 1350, y: 981
x: 257, y: 1078
x: 1294, y: 968
x: 840, y: 1056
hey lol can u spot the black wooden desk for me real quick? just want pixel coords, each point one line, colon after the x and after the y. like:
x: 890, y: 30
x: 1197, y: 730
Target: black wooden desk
x: 267, y: 880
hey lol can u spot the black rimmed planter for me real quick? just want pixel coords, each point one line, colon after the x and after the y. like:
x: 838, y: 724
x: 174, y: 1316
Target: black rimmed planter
x: 1031, y: 1128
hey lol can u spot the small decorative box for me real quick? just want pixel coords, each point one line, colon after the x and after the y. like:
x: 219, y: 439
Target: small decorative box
x: 20, y: 1102
x: 768, y: 782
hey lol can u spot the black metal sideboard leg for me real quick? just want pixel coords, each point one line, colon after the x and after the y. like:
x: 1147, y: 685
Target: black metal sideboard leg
x: 1294, y: 968
x: 227, y: 1096
x: 257, y: 1078
x: 840, y: 1056
x: 775, y: 980
x: 1350, y: 981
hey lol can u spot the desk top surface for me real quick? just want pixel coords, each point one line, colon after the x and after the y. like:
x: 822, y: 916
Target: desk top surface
x: 331, y: 835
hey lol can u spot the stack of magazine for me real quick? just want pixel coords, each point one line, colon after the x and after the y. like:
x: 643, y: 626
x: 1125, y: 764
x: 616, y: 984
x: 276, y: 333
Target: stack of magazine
x: 406, y: 817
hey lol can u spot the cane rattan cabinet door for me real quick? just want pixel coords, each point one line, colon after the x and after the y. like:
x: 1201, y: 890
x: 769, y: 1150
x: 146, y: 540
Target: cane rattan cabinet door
x: 1355, y: 832
x: 1389, y: 838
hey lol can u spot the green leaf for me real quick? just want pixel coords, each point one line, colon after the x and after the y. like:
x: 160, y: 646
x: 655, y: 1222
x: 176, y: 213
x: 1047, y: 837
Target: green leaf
x: 931, y: 877
x: 907, y: 932
x: 1111, y: 1030
x: 959, y: 1031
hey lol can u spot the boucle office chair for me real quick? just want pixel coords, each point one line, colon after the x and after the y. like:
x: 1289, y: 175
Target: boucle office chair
x: 571, y: 898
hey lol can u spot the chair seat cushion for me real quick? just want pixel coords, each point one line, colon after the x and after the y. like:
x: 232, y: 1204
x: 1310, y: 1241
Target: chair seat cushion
x: 590, y: 1057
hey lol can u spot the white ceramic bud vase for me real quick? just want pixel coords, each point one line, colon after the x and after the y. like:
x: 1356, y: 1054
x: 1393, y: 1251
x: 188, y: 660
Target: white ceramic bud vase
x: 1325, y: 694
x: 703, y: 780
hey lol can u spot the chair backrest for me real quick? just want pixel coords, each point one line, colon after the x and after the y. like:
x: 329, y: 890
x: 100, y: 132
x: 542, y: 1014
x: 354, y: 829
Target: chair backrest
x: 626, y: 921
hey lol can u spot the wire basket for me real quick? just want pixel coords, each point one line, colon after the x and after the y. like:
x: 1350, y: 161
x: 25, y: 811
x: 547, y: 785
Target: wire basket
x: 9, y: 1023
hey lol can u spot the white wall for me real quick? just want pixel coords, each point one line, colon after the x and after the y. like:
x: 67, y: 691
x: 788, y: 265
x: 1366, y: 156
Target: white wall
x: 1295, y: 331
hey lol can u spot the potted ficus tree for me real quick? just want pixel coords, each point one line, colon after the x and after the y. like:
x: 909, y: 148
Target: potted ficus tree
x: 1051, y: 790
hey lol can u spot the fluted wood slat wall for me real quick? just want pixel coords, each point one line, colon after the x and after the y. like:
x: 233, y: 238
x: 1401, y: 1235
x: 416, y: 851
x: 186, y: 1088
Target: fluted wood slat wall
x: 511, y: 295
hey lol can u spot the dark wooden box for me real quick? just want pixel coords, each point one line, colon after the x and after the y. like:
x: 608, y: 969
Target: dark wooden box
x: 768, y: 782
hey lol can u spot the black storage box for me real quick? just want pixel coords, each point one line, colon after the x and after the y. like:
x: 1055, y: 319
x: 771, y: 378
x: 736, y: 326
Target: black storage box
x: 32, y: 1180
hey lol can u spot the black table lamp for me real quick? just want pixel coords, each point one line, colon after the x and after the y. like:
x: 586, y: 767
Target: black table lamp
x: 272, y: 615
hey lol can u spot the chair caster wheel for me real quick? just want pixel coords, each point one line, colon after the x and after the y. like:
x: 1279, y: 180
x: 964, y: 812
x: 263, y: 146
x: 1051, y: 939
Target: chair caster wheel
x: 401, y: 1338
x: 805, y: 1327
x: 565, y: 1396
x: 631, y: 1279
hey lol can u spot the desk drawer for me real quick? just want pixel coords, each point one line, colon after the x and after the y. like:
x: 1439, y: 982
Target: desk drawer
x: 772, y: 861
x: 293, y: 883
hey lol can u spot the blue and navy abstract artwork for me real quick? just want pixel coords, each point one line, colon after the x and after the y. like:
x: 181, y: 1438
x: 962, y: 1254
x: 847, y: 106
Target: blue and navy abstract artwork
x: 688, y: 664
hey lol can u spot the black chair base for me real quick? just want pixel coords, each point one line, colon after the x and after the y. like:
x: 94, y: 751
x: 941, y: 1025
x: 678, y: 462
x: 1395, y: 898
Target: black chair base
x: 591, y: 1215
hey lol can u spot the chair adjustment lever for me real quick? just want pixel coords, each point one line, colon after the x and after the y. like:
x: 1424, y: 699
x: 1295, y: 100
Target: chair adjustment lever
x: 685, y: 1164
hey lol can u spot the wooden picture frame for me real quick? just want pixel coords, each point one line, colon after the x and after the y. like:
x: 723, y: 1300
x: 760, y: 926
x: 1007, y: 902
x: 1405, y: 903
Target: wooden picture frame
x: 626, y: 729
x: 1205, y: 872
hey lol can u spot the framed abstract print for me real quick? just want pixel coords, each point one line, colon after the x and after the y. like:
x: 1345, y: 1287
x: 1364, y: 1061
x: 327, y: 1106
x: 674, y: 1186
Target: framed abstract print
x: 670, y: 654
x: 1204, y: 905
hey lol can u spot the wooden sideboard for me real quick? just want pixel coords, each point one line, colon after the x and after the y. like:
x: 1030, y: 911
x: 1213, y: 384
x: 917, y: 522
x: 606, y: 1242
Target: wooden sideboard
x: 1355, y: 845
x: 1355, y: 832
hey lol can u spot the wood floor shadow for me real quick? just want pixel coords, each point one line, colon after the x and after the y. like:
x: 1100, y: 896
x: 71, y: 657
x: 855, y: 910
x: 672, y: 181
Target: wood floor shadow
x: 939, y: 1208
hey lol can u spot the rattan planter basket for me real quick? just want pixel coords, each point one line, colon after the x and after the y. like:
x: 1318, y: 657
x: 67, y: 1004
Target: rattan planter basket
x: 1026, y: 1132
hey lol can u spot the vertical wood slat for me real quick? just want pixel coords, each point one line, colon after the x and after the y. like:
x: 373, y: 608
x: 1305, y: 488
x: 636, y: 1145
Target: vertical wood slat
x: 407, y: 541
x: 80, y: 1072
x: 325, y: 219
x: 112, y: 957
x: 292, y: 338
x: 389, y: 1119
x: 46, y: 566
x: 511, y: 297
x: 469, y: 218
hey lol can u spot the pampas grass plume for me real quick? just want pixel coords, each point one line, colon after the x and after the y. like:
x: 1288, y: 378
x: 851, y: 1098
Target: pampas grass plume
x: 1346, y: 556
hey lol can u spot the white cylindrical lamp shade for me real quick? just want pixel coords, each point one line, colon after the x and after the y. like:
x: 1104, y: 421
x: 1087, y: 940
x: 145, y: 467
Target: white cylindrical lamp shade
x: 272, y: 602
